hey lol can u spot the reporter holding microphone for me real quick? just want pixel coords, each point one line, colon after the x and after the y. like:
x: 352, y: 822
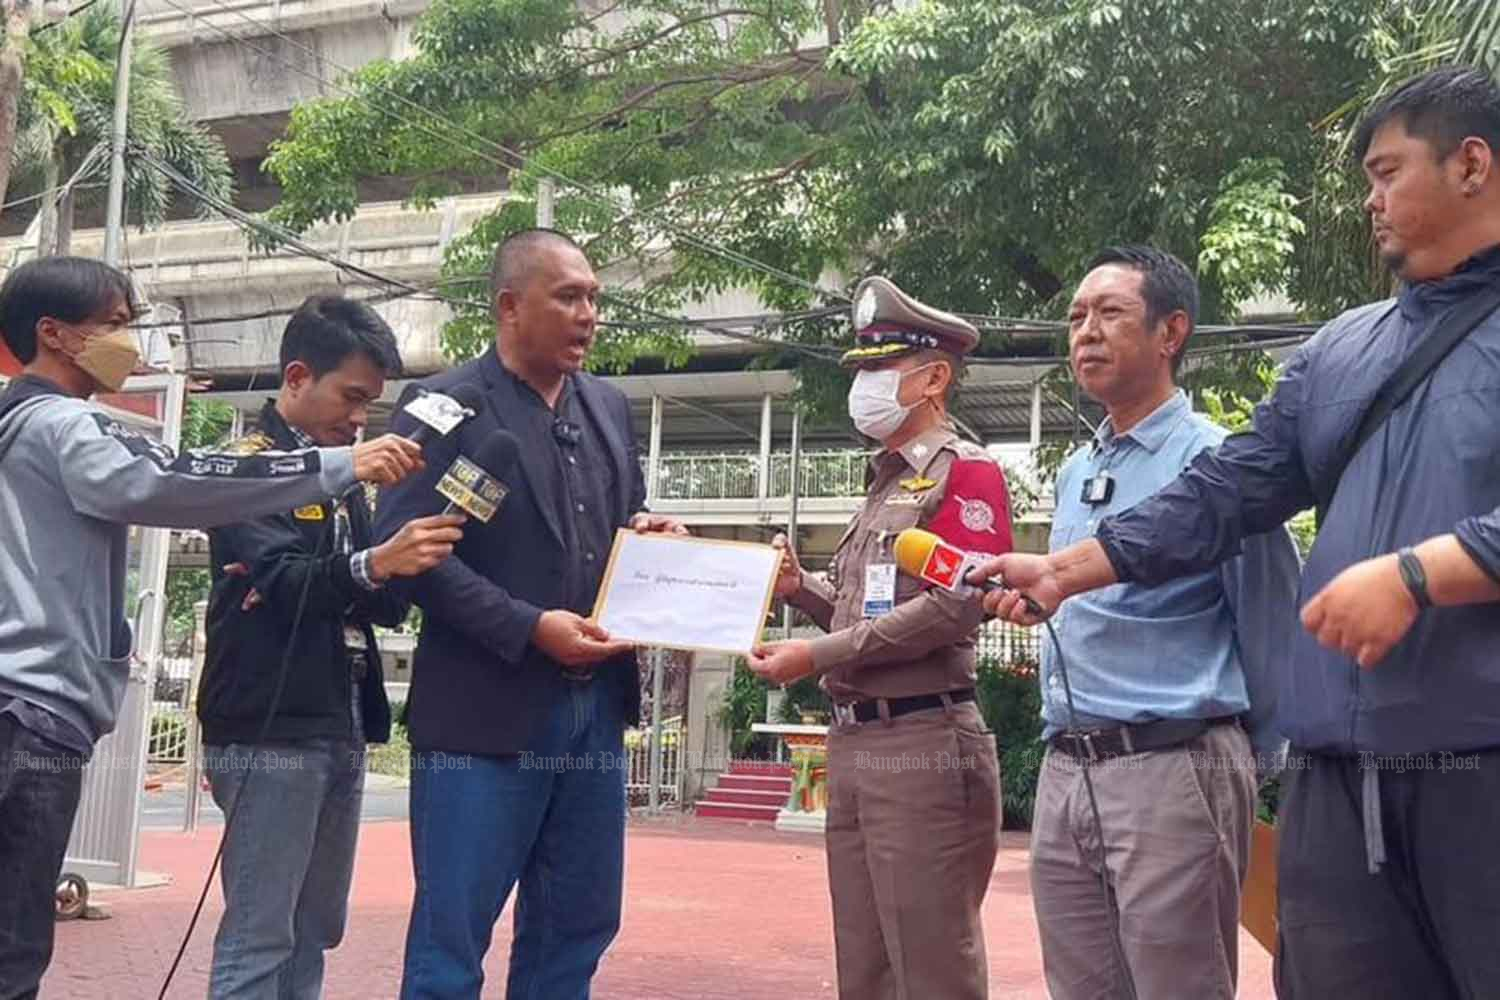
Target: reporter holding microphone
x: 71, y: 482
x: 913, y: 781
x: 303, y: 587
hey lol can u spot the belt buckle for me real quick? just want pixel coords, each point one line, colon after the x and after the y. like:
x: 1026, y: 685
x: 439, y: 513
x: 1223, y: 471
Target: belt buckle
x: 1086, y: 742
x: 844, y: 714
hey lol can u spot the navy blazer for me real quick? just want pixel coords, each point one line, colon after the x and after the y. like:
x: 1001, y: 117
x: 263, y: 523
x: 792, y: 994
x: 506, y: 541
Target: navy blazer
x: 478, y: 684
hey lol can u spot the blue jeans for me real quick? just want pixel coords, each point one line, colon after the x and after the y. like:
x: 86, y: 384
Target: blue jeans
x: 288, y: 862
x: 553, y: 819
x: 40, y: 783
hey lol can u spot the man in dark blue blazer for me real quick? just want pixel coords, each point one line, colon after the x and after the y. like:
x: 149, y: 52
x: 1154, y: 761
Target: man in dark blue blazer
x: 519, y: 703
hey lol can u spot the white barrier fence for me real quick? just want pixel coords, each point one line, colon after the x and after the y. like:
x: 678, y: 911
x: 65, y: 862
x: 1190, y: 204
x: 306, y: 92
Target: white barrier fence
x: 170, y: 711
x: 638, y: 761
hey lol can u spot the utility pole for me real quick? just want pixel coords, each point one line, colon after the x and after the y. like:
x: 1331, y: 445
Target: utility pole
x: 114, y: 217
x: 658, y: 667
x: 794, y: 478
x: 546, y: 200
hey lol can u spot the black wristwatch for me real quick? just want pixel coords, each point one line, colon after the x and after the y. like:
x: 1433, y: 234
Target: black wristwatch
x: 1415, y: 577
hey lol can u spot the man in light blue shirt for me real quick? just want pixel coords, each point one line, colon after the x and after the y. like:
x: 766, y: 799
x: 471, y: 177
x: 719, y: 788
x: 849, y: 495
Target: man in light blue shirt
x: 1172, y: 689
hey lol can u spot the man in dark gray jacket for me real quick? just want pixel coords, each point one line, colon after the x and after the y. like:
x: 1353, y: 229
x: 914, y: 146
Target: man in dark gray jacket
x: 1389, y: 874
x: 71, y: 481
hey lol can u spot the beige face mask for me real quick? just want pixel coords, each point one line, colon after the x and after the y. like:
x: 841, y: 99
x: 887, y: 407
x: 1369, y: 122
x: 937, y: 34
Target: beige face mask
x: 109, y: 358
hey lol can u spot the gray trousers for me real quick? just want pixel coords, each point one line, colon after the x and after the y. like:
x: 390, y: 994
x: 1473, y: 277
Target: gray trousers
x: 288, y: 863
x: 1177, y: 843
x: 913, y: 827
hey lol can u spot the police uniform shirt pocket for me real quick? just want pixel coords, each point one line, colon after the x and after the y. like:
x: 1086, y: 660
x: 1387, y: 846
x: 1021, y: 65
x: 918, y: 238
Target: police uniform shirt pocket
x: 891, y: 521
x: 840, y: 551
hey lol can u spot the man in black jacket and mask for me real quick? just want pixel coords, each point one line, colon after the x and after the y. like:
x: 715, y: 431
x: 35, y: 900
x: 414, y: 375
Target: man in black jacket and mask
x: 289, y: 850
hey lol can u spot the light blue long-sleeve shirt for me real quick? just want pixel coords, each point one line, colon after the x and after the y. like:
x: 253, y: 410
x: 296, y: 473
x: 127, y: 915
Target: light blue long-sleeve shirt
x: 1200, y: 646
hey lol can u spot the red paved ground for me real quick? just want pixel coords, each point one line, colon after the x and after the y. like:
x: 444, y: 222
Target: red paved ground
x: 714, y: 909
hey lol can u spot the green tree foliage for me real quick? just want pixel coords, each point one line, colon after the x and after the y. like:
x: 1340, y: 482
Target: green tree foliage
x: 977, y: 151
x: 205, y: 423
x: 65, y: 112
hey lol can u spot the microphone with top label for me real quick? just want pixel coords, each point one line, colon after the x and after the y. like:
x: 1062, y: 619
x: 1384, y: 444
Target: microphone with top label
x: 924, y: 555
x: 438, y: 414
x: 476, y: 486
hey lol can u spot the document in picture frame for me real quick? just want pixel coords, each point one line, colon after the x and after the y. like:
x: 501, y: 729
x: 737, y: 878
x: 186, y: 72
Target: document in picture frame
x: 679, y: 592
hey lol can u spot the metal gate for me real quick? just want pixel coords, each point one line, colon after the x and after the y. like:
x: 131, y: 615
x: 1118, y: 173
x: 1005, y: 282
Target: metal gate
x: 106, y: 830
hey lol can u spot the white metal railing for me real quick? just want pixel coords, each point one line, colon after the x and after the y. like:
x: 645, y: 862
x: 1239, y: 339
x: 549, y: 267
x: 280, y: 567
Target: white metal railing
x: 638, y: 760
x: 823, y: 474
x: 1008, y: 645
x: 723, y: 476
x: 168, y: 743
x: 736, y: 475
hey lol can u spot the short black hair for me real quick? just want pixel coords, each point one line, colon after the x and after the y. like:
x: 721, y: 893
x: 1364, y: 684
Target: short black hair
x: 70, y: 289
x: 514, y: 257
x: 1443, y: 107
x: 1166, y: 284
x: 326, y: 329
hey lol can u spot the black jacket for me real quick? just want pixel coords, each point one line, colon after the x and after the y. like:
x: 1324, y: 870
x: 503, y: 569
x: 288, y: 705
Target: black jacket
x: 246, y: 648
x: 478, y: 685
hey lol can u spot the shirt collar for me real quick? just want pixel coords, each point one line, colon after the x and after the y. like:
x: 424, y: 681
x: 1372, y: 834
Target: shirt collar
x: 922, y: 449
x: 1420, y: 300
x: 27, y: 386
x: 528, y: 392
x: 271, y: 418
x: 1152, y: 432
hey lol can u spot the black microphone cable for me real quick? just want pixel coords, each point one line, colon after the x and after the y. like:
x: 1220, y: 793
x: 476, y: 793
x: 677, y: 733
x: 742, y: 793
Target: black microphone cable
x: 265, y: 728
x: 1110, y: 904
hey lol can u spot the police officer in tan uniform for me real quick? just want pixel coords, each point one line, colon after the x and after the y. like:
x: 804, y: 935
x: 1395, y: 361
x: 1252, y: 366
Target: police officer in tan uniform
x: 913, y: 780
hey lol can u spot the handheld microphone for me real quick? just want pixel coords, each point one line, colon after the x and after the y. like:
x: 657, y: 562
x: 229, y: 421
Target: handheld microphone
x: 475, y: 487
x: 924, y: 555
x: 438, y: 413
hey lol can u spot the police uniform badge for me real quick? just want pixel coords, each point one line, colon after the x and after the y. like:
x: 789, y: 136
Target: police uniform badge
x: 864, y: 311
x: 976, y: 515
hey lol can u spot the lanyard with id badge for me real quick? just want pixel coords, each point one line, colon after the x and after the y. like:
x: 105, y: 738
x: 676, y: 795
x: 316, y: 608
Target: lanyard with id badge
x: 880, y: 582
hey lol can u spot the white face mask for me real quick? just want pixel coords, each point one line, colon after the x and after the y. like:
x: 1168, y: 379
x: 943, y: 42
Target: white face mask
x: 874, y: 405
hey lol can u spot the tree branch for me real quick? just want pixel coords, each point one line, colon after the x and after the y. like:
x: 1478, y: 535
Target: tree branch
x: 636, y: 100
x: 743, y: 184
x: 667, y: 32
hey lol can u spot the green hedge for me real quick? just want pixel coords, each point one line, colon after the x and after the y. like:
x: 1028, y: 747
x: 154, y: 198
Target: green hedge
x: 1009, y: 699
x: 392, y: 758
